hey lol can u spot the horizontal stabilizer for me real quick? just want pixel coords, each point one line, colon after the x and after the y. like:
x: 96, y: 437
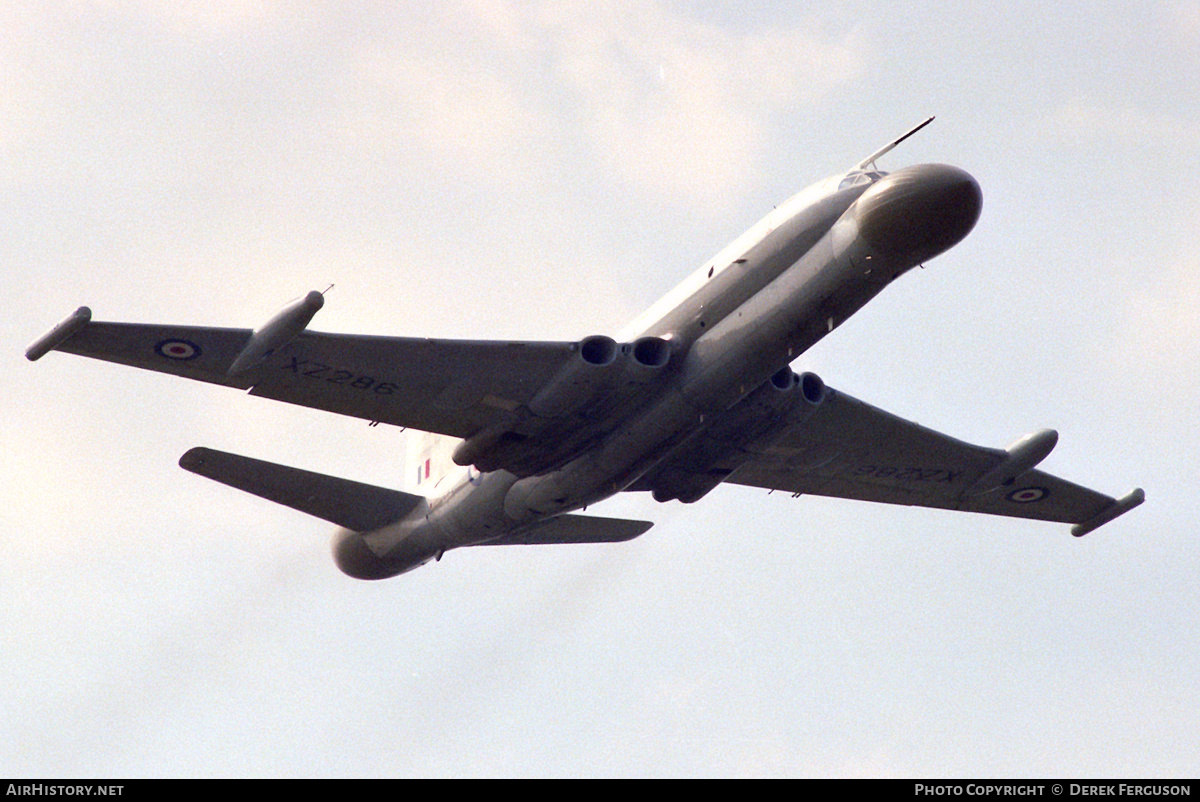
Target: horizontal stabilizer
x: 575, y: 529
x: 353, y: 505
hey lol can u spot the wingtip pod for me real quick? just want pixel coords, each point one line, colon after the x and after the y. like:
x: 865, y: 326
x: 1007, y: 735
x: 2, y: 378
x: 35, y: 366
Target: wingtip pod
x: 278, y: 331
x: 59, y: 334
x: 1020, y: 457
x: 193, y: 459
x: 1114, y: 510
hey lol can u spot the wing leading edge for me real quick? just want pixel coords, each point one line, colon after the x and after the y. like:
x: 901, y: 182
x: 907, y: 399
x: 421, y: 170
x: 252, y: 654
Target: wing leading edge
x: 850, y: 449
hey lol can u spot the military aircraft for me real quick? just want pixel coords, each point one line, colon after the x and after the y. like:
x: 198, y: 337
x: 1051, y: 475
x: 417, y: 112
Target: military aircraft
x: 695, y: 392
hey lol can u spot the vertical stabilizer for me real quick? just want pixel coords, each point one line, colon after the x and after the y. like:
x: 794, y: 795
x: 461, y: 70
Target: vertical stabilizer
x: 429, y: 469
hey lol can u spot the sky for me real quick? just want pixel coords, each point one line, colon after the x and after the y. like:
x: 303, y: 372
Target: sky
x: 486, y: 169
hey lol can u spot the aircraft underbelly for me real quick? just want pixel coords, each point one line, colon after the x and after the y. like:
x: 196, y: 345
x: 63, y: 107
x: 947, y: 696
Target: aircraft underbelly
x: 726, y: 363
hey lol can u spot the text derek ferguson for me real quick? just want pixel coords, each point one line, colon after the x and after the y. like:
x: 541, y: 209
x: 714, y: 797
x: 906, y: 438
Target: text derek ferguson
x: 1056, y: 789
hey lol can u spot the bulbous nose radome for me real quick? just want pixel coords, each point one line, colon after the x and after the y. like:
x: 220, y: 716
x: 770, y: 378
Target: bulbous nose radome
x: 916, y: 213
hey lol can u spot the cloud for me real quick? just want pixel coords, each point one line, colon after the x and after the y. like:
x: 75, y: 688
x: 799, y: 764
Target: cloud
x: 1184, y: 18
x: 464, y: 114
x: 680, y: 106
x: 209, y: 19
x: 1086, y: 118
x: 640, y: 96
x: 1159, y: 333
x: 660, y: 100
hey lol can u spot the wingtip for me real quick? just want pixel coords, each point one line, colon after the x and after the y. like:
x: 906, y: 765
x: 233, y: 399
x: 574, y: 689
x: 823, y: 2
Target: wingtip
x: 59, y: 334
x: 1118, y: 508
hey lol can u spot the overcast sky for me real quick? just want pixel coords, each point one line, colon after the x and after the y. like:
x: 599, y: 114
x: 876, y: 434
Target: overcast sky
x: 511, y: 170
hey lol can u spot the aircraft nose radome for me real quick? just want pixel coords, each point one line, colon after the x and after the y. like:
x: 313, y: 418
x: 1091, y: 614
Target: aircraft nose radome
x: 919, y: 211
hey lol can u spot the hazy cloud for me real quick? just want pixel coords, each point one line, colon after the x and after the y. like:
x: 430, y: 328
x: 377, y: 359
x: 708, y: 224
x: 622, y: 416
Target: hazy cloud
x: 1184, y: 17
x: 1085, y: 118
x: 666, y: 103
x: 501, y: 169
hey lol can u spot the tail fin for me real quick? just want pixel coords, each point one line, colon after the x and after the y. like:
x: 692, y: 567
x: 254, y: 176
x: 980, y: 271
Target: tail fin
x: 352, y: 505
x: 428, y: 463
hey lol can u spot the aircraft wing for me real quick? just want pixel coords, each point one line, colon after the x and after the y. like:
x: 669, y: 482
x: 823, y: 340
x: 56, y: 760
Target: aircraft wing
x: 453, y: 387
x: 849, y: 449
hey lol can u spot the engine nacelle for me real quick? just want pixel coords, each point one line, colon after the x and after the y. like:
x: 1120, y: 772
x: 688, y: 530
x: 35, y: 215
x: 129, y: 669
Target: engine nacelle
x: 798, y: 395
x: 599, y: 364
x: 812, y: 389
x: 601, y: 378
x: 592, y: 368
x: 588, y: 372
x: 645, y: 358
x: 651, y: 353
x: 783, y: 399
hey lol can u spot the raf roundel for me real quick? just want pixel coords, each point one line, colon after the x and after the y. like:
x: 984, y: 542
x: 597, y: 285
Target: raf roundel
x: 1028, y: 495
x: 181, y: 350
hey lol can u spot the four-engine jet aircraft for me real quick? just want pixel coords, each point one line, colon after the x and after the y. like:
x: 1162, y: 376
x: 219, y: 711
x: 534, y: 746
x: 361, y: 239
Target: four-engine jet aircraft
x: 697, y: 391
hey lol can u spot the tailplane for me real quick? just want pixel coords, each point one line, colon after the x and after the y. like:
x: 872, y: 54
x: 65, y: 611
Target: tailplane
x: 574, y: 529
x: 353, y: 505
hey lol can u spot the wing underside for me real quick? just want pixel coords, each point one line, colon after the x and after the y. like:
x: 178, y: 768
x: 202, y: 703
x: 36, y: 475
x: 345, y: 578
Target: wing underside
x: 850, y: 449
x: 452, y: 387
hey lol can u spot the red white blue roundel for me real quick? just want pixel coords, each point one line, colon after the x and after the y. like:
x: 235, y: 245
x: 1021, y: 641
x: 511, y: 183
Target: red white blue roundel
x: 178, y: 349
x: 1027, y: 495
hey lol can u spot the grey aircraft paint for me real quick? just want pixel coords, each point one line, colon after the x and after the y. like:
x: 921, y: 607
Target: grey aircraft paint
x: 696, y: 391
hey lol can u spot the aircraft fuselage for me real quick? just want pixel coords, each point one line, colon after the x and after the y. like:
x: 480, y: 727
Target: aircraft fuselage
x: 714, y: 352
